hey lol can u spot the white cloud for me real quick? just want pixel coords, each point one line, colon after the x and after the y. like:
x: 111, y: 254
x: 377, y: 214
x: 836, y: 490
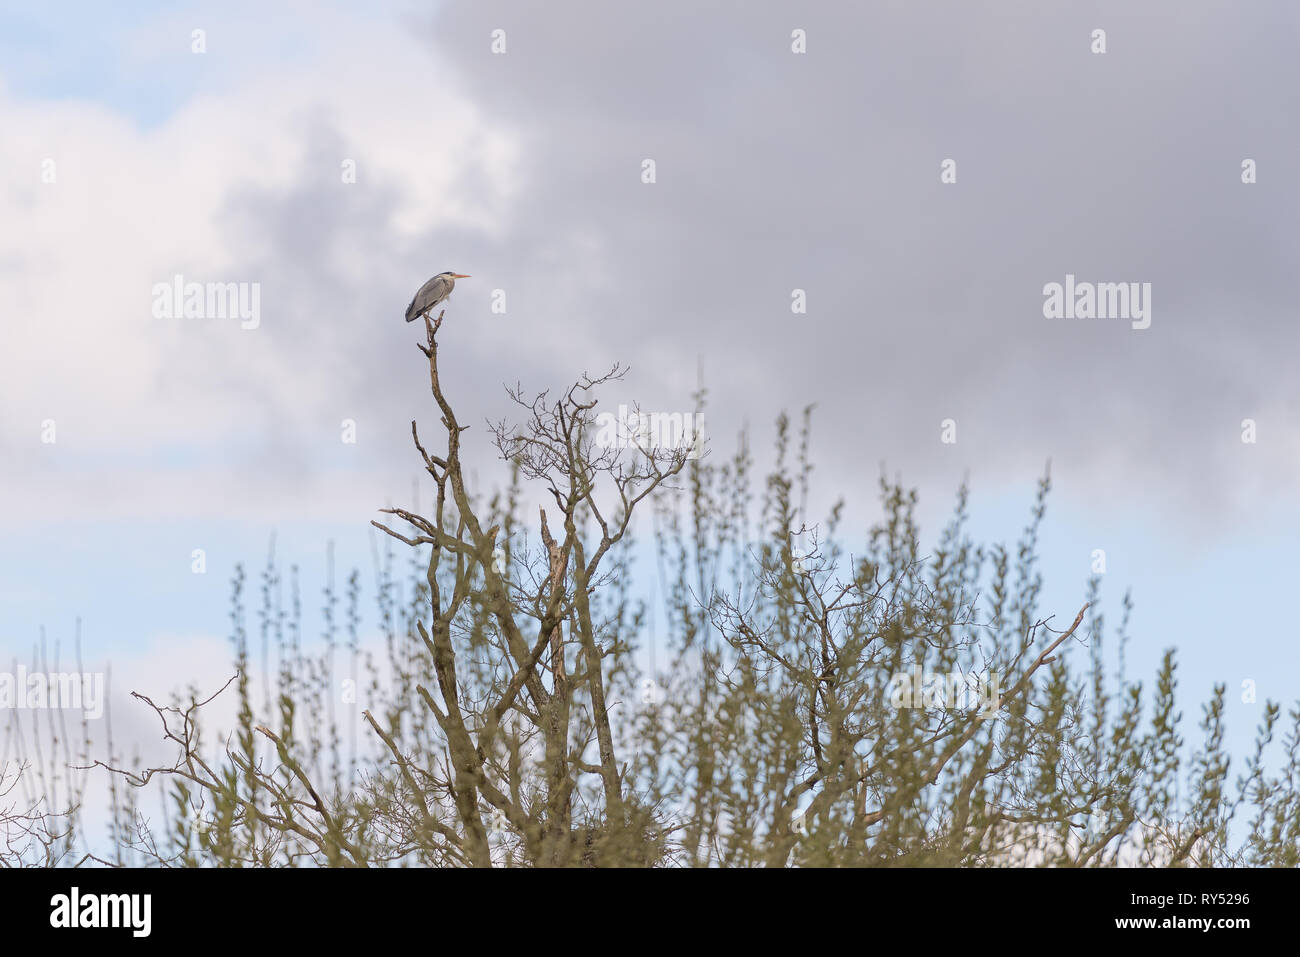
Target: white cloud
x: 132, y: 207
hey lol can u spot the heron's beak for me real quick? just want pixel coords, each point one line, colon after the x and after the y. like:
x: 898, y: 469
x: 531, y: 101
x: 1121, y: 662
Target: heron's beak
x: 457, y: 275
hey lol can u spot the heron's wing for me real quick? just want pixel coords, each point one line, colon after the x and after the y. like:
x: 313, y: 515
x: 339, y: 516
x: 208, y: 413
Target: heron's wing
x: 411, y: 311
x: 430, y: 294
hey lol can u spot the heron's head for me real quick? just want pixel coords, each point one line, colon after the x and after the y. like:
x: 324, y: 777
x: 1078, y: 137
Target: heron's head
x: 454, y: 275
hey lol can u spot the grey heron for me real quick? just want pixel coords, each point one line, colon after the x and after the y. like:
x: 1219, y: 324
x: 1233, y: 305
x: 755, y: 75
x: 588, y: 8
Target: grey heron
x: 431, y: 293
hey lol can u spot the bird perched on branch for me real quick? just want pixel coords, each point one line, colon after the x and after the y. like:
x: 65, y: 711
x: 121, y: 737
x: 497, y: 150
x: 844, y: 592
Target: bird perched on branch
x: 431, y: 293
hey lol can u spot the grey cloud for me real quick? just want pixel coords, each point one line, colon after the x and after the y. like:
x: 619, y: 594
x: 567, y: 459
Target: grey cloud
x: 820, y: 172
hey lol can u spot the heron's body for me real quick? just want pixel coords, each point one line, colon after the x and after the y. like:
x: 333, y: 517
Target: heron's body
x: 431, y: 293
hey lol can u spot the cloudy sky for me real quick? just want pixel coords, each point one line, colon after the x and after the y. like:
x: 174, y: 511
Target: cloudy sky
x: 128, y: 157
